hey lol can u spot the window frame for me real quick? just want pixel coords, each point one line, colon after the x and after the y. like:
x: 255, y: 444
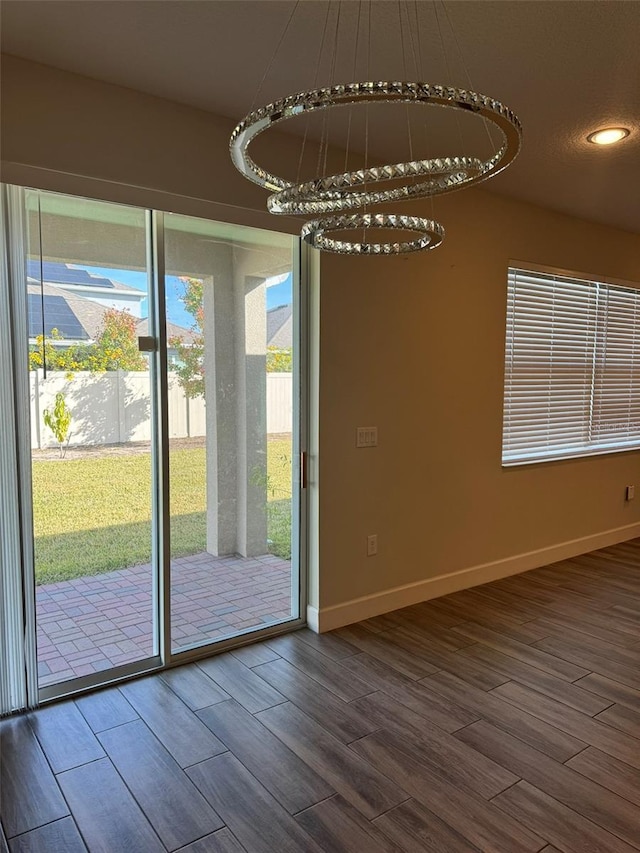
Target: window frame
x: 511, y: 458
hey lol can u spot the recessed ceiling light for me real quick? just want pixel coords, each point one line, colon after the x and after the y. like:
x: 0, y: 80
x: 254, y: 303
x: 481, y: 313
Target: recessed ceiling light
x: 608, y: 135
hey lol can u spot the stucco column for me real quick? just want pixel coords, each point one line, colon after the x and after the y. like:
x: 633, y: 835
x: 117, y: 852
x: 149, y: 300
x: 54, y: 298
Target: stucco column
x: 235, y: 392
x: 220, y: 412
x: 251, y: 403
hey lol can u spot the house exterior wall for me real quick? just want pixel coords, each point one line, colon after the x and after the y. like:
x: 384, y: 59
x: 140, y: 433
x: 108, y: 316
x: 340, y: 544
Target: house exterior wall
x: 413, y: 344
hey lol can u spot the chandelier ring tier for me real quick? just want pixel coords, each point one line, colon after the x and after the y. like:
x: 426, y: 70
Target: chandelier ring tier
x: 431, y: 233
x: 335, y: 192
x: 327, y: 195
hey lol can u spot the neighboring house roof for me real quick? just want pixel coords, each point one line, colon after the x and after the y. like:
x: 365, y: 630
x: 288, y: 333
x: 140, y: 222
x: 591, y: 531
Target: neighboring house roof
x: 77, y: 318
x: 67, y: 275
x: 280, y: 327
x: 173, y: 331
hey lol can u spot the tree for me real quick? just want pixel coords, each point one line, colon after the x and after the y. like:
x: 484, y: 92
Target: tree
x: 44, y: 354
x: 190, y: 366
x: 115, y: 348
x: 58, y: 420
x: 279, y: 360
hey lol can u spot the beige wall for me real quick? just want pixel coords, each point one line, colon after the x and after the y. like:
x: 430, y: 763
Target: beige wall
x: 159, y: 150
x: 414, y: 344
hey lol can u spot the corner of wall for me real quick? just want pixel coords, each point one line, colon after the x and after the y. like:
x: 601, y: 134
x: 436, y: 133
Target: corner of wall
x: 326, y: 619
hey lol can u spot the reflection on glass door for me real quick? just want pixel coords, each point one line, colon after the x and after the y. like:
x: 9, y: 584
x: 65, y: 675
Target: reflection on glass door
x: 87, y: 295
x: 231, y: 354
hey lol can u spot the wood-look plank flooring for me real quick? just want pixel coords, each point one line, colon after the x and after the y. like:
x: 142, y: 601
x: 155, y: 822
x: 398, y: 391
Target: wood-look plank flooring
x: 504, y: 719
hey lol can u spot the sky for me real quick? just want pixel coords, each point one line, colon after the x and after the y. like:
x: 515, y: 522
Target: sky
x: 277, y: 293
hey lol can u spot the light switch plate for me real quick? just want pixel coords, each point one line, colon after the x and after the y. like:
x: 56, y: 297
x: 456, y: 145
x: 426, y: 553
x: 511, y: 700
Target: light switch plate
x: 367, y: 436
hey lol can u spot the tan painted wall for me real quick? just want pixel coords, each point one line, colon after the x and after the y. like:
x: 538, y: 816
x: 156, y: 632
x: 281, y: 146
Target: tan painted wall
x: 165, y: 154
x: 414, y: 345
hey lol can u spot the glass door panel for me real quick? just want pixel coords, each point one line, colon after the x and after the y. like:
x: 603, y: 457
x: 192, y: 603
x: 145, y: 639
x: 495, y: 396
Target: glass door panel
x: 91, y: 417
x: 231, y: 354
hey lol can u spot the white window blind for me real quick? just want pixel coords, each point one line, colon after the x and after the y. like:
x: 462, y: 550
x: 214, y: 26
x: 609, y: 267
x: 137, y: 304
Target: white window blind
x: 572, y: 384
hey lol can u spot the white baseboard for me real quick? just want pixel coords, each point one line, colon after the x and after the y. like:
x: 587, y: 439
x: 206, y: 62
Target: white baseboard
x: 312, y: 619
x: 328, y: 618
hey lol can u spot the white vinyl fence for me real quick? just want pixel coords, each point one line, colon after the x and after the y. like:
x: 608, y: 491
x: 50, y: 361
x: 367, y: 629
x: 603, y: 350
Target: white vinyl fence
x: 279, y: 402
x: 115, y: 407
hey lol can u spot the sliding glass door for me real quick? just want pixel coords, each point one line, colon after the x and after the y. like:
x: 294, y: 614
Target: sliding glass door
x: 231, y: 347
x: 87, y: 291
x: 163, y: 382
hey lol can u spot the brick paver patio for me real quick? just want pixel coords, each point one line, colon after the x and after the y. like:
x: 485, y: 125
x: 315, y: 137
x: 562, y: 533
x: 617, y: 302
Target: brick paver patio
x: 91, y: 624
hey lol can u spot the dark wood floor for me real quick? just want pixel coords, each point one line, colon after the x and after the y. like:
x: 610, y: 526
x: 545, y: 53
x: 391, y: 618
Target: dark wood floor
x: 504, y: 718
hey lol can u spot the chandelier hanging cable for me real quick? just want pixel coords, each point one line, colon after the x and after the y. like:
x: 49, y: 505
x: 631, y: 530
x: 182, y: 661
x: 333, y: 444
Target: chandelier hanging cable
x: 349, y: 191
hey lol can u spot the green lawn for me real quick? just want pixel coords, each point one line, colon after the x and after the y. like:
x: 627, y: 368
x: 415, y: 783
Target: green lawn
x: 93, y: 515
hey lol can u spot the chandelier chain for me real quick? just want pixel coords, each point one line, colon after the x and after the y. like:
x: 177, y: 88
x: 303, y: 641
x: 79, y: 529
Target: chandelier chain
x: 406, y: 77
x: 273, y: 56
x: 366, y: 118
x: 465, y: 68
x: 353, y: 77
x: 315, y: 85
x: 447, y: 67
x: 332, y: 80
x: 413, y: 46
x: 421, y: 76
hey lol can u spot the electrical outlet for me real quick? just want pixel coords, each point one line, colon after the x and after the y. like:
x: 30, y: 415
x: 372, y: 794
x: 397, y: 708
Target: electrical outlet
x: 630, y: 493
x: 372, y: 545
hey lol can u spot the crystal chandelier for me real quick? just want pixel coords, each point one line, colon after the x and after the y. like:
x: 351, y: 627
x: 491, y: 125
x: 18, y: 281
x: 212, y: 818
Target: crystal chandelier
x: 340, y: 201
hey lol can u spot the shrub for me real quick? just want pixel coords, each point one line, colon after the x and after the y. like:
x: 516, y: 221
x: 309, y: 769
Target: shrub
x: 58, y: 420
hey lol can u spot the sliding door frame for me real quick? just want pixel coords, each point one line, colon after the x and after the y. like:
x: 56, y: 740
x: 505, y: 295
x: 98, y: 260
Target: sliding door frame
x: 300, y: 417
x: 161, y: 520
x: 163, y: 657
x: 17, y: 585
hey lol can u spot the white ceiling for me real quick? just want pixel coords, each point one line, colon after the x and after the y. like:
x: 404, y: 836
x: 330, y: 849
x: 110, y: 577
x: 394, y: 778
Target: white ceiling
x: 565, y: 67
